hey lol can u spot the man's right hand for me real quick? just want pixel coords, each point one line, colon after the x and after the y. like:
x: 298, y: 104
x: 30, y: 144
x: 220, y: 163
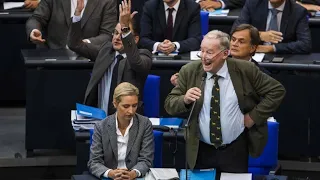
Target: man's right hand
x: 271, y: 36
x: 36, y: 37
x: 116, y: 173
x: 192, y: 95
x: 174, y: 79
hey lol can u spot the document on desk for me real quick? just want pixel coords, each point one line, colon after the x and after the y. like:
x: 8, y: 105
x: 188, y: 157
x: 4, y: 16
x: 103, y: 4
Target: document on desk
x: 194, y: 55
x: 162, y: 174
x: 12, y: 5
x: 219, y: 12
x: 258, y: 57
x: 237, y: 176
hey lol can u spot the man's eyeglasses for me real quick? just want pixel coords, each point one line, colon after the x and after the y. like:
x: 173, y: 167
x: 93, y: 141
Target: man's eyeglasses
x: 210, y: 55
x: 115, y: 32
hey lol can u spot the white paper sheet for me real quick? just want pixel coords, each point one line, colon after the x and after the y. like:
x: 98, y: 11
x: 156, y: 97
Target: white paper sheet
x: 11, y: 5
x: 237, y: 176
x: 193, y: 55
x: 155, y: 121
x: 258, y: 57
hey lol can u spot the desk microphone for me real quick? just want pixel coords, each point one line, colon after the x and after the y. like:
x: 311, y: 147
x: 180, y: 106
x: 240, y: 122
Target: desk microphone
x: 177, y: 57
x: 204, y: 75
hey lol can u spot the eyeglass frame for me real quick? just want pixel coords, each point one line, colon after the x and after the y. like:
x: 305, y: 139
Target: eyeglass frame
x: 198, y: 54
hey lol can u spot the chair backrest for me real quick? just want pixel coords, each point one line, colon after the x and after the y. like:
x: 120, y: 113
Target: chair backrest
x: 204, y: 16
x: 151, y: 96
x: 269, y: 157
x: 157, y: 161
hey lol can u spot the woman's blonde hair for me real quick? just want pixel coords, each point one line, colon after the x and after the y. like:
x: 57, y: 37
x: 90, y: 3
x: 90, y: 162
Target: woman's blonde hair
x: 124, y: 89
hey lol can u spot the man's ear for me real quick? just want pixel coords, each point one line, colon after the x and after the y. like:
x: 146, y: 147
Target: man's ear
x: 253, y: 49
x: 136, y: 39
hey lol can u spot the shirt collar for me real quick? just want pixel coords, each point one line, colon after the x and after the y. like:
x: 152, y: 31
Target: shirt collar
x: 223, y: 71
x: 280, y: 8
x: 124, y: 54
x: 117, y: 127
x: 176, y: 6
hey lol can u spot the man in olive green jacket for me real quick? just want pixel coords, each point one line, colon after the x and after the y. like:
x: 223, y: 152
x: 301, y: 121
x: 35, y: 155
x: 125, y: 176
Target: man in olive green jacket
x: 246, y: 98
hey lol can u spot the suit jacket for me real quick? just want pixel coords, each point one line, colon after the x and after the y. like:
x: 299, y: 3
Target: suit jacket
x: 52, y: 18
x: 260, y: 67
x: 258, y: 94
x: 234, y: 4
x: 133, y: 69
x: 186, y: 30
x: 104, y: 148
x: 294, y: 24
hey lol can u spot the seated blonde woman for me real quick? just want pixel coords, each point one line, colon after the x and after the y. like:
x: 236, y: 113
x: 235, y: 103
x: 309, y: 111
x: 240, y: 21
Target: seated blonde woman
x: 122, y: 144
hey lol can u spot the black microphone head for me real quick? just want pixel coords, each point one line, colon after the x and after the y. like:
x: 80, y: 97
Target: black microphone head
x: 178, y: 57
x: 204, y: 75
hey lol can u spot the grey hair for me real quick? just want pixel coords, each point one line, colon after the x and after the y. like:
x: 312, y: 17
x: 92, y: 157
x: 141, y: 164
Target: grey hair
x: 224, y: 38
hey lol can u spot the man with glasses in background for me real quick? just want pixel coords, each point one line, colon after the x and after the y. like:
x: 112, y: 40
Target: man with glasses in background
x: 244, y: 42
x: 229, y: 119
x: 116, y: 62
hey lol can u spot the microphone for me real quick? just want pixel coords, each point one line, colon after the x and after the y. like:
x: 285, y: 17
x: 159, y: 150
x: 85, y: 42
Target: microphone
x: 204, y: 75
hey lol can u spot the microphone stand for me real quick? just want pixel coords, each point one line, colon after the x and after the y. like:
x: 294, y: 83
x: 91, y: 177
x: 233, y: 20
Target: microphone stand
x: 187, y: 126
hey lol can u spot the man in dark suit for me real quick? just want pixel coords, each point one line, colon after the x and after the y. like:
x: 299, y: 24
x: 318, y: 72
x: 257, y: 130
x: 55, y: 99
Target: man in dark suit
x: 224, y: 127
x: 116, y: 62
x: 244, y: 42
x: 283, y: 25
x: 50, y: 22
x: 171, y: 25
x: 221, y: 4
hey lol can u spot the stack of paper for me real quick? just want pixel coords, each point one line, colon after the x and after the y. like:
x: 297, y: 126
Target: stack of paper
x: 85, y: 117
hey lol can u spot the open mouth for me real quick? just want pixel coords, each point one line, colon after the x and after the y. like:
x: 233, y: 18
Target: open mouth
x: 207, y: 63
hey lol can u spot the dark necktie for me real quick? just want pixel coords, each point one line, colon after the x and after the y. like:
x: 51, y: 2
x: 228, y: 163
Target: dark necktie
x: 273, y: 25
x: 215, y: 125
x: 169, y: 24
x: 114, y: 84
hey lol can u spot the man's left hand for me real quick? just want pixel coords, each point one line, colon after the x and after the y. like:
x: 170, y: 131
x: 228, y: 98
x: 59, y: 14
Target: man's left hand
x: 31, y: 4
x: 125, y: 14
x: 248, y: 122
x: 208, y: 4
x: 265, y: 49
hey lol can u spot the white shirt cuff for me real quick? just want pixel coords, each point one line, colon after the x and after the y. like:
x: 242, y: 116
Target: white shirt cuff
x: 86, y: 40
x: 274, y: 48
x: 223, y: 5
x: 139, y: 174
x: 76, y: 19
x: 177, y: 46
x: 106, y: 173
x: 125, y: 35
x: 155, y: 46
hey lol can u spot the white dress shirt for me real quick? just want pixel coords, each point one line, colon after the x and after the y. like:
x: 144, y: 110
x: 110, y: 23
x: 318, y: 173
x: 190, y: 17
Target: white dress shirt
x: 279, y: 17
x: 122, y: 143
x: 105, y: 85
x: 174, y: 14
x: 231, y: 117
